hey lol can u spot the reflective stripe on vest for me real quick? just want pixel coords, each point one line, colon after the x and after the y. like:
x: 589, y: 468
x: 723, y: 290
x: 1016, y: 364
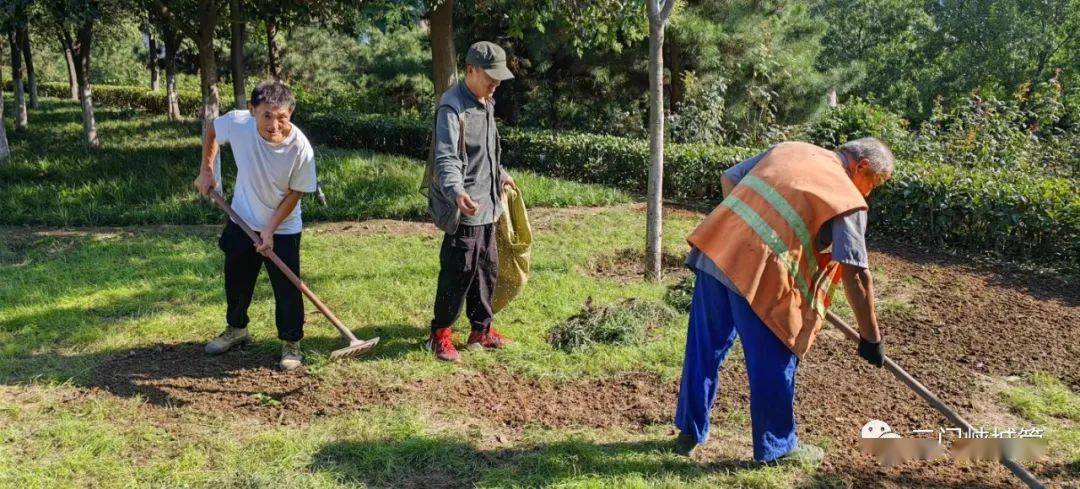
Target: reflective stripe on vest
x: 772, y: 239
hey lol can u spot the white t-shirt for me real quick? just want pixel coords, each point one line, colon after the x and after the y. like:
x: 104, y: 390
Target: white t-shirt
x: 265, y: 172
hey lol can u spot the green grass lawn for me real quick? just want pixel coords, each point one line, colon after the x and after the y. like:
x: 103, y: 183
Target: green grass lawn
x: 143, y: 172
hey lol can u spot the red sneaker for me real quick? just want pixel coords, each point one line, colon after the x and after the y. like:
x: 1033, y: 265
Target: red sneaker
x: 479, y: 340
x: 441, y: 342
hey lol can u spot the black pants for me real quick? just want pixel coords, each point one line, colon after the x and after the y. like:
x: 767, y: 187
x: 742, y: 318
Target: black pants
x: 469, y: 262
x: 242, y: 264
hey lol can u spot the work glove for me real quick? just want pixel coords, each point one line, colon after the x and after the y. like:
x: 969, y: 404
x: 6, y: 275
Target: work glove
x: 872, y: 352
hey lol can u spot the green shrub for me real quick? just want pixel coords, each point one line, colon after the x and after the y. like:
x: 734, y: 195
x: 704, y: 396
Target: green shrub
x: 128, y: 97
x: 699, y: 117
x: 627, y: 322
x: 1006, y: 213
x: 1029, y: 132
x: 190, y: 102
x: 858, y: 119
x: 692, y: 169
x: 397, y: 135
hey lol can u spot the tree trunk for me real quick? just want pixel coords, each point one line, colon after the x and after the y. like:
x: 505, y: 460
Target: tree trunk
x: 211, y: 104
x: 443, y: 59
x: 152, y: 62
x: 72, y: 79
x: 81, y: 51
x: 830, y: 98
x: 678, y: 84
x: 17, y: 81
x: 654, y: 220
x: 272, y: 51
x: 5, y: 150
x: 31, y: 74
x: 237, y: 52
x: 172, y: 45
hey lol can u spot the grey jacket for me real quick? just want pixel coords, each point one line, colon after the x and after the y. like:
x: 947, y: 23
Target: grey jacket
x: 459, y: 164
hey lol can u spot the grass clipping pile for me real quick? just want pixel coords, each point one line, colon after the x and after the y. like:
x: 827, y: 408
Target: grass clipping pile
x: 626, y: 322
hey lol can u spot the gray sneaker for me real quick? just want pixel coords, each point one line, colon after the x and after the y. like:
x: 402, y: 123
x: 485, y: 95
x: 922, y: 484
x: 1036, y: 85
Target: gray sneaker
x: 803, y: 453
x: 226, y: 340
x: 290, y: 355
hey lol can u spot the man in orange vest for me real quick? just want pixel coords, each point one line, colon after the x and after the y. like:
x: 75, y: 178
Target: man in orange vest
x: 791, y: 225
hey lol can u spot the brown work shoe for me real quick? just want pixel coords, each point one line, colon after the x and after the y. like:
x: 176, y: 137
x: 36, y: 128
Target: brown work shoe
x: 442, y: 343
x: 479, y: 340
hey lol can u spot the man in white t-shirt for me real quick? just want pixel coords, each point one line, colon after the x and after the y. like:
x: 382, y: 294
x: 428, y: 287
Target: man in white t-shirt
x: 275, y: 166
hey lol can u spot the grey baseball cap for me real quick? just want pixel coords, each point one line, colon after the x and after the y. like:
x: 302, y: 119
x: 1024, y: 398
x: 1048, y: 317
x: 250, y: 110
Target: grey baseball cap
x: 491, y: 58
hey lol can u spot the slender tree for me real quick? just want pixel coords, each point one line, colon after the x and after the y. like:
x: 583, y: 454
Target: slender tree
x: 28, y: 57
x: 197, y: 20
x: 5, y: 150
x: 273, y: 51
x: 236, y: 50
x: 78, y: 38
x: 659, y: 13
x: 152, y: 60
x: 171, y: 39
x: 441, y: 33
x: 17, y: 78
x: 69, y: 60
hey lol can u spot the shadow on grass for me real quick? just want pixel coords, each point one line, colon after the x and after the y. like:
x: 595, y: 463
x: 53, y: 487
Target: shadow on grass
x: 157, y: 372
x: 447, y: 462
x: 119, y: 370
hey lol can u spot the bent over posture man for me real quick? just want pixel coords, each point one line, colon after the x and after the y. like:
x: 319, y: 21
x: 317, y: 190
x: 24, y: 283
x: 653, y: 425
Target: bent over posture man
x: 792, y: 223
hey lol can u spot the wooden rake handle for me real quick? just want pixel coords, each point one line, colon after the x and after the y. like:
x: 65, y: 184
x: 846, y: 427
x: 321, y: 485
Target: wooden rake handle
x: 1014, y: 466
x: 220, y: 201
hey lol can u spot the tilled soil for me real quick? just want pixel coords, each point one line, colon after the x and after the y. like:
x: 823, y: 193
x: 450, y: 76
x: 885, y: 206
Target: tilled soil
x: 958, y: 323
x: 247, y: 382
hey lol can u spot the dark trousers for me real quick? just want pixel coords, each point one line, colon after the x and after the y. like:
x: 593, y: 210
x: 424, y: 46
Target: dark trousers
x: 469, y: 261
x: 242, y: 264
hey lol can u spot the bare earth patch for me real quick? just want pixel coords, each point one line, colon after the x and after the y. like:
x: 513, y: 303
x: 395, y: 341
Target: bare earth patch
x: 544, y: 218
x: 246, y: 382
x: 374, y: 227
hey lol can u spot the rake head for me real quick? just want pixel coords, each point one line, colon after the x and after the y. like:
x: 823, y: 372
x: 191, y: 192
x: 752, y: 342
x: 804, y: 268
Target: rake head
x: 355, y: 348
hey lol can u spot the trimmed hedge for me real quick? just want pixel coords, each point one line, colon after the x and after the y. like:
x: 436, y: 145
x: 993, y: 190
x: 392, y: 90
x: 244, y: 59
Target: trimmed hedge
x: 1006, y: 213
x: 690, y: 169
x: 127, y: 97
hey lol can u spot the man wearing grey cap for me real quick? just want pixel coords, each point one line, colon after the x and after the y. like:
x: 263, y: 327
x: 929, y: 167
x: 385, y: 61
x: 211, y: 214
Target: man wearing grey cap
x: 464, y: 183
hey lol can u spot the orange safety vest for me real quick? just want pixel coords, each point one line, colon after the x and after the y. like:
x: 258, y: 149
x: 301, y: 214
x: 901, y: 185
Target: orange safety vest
x: 763, y: 237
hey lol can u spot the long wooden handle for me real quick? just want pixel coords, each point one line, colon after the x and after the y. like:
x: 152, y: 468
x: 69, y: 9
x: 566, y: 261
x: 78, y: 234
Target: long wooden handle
x: 217, y: 198
x: 1017, y: 469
